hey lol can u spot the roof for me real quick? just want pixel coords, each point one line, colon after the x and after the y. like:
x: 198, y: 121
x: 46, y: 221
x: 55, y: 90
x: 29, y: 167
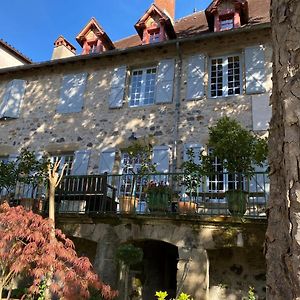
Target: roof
x: 15, y: 52
x: 196, y: 23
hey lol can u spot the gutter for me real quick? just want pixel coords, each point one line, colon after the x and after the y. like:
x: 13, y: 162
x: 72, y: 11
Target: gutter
x: 177, y: 108
x: 116, y: 52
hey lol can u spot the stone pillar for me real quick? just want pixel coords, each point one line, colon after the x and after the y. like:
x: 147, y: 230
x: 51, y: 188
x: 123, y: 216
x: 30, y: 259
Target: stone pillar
x: 193, y: 272
x: 105, y: 262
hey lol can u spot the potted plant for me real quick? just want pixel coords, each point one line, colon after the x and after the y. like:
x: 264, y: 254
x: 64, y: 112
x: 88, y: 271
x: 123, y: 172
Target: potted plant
x: 139, y: 164
x: 129, y: 255
x: 191, y: 180
x: 32, y: 175
x: 159, y: 196
x: 239, y: 150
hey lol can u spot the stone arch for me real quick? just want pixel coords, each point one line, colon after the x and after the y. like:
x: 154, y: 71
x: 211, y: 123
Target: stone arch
x: 157, y: 271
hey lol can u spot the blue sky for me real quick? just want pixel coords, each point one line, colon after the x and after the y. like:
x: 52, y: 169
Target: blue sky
x: 32, y: 26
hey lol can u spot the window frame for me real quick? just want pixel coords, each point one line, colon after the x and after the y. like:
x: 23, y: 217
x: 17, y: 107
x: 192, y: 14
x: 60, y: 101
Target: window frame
x: 226, y: 19
x: 225, y: 72
x: 62, y: 155
x: 143, y: 86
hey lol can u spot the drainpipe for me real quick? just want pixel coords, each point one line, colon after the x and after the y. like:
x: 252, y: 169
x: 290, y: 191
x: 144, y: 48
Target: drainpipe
x: 177, y: 108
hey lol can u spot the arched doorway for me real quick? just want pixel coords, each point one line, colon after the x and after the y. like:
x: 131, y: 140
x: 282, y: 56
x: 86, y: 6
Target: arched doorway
x: 157, y: 271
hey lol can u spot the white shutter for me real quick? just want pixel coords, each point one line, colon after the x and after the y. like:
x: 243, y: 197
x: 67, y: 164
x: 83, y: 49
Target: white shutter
x: 72, y: 93
x: 81, y: 162
x: 195, y: 77
x: 261, y: 111
x: 107, y: 160
x: 255, y: 69
x: 39, y: 155
x: 13, y: 157
x: 197, y: 148
x: 117, y: 88
x: 161, y: 158
x: 12, y: 99
x: 165, y: 81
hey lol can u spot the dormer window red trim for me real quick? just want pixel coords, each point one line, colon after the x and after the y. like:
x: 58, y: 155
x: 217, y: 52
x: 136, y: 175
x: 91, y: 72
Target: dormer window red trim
x: 221, y: 18
x: 155, y: 26
x: 93, y: 38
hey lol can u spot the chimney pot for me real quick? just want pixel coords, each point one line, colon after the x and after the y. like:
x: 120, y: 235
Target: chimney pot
x: 62, y: 49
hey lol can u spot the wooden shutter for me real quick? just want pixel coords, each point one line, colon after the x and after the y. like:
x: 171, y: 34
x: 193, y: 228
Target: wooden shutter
x: 197, y: 148
x: 255, y: 69
x: 107, y: 160
x: 81, y: 162
x: 12, y: 99
x: 161, y: 158
x: 165, y: 81
x: 72, y: 93
x: 261, y: 112
x: 117, y: 88
x: 195, y: 77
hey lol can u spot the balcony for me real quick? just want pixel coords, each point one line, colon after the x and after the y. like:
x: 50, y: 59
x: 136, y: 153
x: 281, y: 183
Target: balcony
x: 159, y: 194
x: 150, y: 194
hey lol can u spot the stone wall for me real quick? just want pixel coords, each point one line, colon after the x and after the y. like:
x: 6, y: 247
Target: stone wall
x: 210, y: 263
x: 98, y: 127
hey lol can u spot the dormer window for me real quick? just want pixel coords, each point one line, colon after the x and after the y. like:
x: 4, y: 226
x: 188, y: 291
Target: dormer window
x: 155, y: 26
x: 93, y: 39
x: 227, y: 14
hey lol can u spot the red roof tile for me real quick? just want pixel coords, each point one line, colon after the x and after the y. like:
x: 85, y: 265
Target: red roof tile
x: 196, y: 23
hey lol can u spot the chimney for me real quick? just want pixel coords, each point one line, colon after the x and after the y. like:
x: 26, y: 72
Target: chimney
x: 167, y: 6
x: 62, y: 49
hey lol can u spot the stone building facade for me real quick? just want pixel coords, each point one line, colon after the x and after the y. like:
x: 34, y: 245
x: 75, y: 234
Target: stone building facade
x: 171, y: 82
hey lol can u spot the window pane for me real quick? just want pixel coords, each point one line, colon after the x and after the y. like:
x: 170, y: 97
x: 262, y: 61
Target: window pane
x: 216, y: 77
x: 234, y: 81
x: 226, y: 24
x: 154, y: 37
x: 142, y: 87
x: 64, y: 159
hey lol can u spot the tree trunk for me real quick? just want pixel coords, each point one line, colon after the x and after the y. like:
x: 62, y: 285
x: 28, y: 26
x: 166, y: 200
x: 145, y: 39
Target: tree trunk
x: 283, y: 232
x: 52, y: 202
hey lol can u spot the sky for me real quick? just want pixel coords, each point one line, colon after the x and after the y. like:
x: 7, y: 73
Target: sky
x: 32, y: 26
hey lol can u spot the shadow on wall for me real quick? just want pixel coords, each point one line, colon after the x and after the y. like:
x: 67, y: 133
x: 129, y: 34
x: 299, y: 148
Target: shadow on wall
x: 234, y: 270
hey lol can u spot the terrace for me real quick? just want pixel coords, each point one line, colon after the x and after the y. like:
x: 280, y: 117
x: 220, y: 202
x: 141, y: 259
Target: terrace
x: 164, y: 194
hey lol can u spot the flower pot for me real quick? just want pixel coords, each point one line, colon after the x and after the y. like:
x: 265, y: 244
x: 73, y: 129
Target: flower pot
x: 237, y: 202
x: 158, y: 201
x: 187, y: 207
x: 128, y: 204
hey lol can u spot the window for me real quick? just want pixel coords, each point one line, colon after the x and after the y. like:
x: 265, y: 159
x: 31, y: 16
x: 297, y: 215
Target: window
x: 132, y: 183
x: 142, y: 87
x: 220, y: 180
x: 154, y: 37
x: 225, y: 76
x: 226, y: 23
x: 65, y: 158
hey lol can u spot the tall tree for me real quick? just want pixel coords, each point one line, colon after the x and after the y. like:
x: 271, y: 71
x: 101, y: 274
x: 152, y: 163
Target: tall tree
x: 283, y: 232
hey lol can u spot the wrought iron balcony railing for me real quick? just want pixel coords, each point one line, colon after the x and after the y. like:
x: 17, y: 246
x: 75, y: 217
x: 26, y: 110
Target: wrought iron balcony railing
x: 153, y: 194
